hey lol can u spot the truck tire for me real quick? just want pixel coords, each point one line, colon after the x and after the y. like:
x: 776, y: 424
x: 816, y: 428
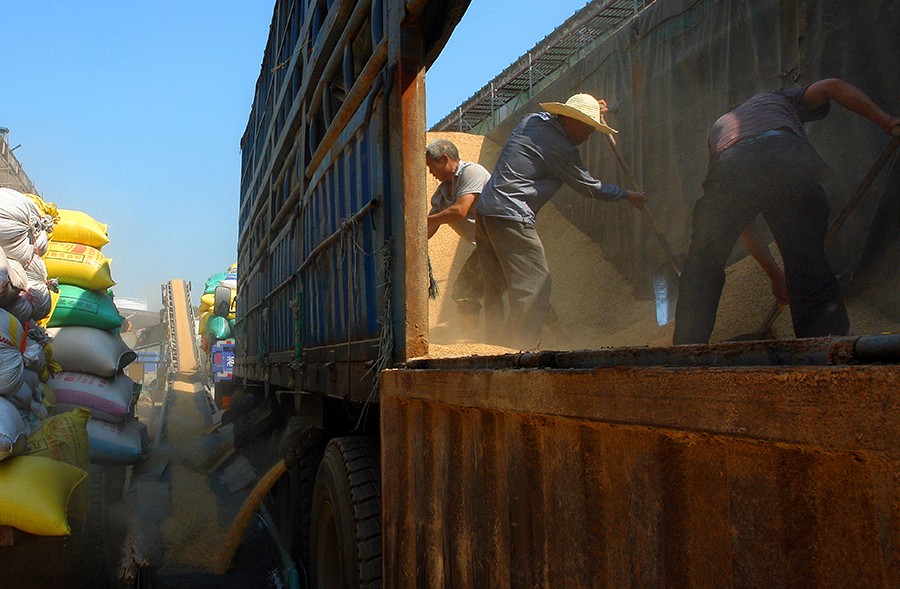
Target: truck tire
x: 303, y: 480
x: 91, y: 561
x: 345, y: 534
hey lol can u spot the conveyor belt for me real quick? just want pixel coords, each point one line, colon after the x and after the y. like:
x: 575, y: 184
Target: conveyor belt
x: 188, y: 510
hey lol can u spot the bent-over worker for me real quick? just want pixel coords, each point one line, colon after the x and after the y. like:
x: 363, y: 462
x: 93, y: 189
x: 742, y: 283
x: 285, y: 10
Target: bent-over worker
x: 540, y: 155
x: 761, y: 161
x: 453, y: 204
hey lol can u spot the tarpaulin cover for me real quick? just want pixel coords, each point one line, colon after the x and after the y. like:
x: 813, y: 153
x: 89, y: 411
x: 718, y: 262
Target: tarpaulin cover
x: 683, y: 63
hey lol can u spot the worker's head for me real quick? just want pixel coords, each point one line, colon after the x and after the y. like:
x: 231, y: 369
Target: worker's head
x: 581, y: 115
x: 442, y: 159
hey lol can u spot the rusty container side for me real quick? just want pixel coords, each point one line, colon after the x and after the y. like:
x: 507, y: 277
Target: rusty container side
x: 644, y: 477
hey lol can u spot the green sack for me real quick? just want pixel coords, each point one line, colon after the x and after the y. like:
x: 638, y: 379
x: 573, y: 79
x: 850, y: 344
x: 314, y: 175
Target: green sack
x: 217, y: 328
x: 88, y: 308
x: 213, y: 281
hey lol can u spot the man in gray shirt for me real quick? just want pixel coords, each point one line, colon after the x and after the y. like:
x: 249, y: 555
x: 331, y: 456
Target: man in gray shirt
x: 540, y: 155
x: 453, y: 204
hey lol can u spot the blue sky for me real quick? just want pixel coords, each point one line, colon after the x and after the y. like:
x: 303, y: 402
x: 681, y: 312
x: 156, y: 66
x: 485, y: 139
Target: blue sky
x: 133, y: 112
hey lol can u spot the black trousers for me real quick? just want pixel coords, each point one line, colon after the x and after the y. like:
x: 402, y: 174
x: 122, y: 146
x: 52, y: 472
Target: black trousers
x: 780, y: 178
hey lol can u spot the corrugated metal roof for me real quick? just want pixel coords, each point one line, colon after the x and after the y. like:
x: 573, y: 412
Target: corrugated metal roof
x: 553, y: 55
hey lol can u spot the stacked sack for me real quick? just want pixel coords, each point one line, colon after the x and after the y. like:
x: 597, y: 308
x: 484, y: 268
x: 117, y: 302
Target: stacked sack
x: 25, y: 224
x: 212, y: 328
x: 85, y: 325
x: 22, y: 406
x: 25, y: 362
x: 39, y: 469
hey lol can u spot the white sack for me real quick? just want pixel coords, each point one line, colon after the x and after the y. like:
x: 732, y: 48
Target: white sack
x: 108, y: 399
x: 90, y: 350
x: 13, y: 434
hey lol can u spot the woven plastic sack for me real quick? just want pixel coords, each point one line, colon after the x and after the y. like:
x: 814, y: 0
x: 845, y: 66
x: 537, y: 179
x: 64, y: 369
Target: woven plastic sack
x: 79, y: 265
x: 38, y: 290
x: 79, y: 227
x: 49, y: 395
x: 12, y: 278
x: 64, y: 438
x: 109, y: 399
x: 12, y: 364
x: 206, y: 302
x: 20, y: 224
x: 115, y: 443
x: 204, y: 317
x: 34, y: 357
x: 213, y: 281
x: 79, y: 306
x: 46, y: 209
x: 41, y: 244
x: 13, y: 433
x: 22, y: 398
x: 90, y: 350
x: 217, y: 328
x: 34, y: 494
x: 51, y: 367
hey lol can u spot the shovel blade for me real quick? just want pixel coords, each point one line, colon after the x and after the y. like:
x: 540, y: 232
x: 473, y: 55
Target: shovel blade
x: 665, y: 291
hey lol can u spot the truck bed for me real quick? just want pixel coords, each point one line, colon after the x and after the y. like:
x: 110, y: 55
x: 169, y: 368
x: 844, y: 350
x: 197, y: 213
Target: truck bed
x: 695, y: 466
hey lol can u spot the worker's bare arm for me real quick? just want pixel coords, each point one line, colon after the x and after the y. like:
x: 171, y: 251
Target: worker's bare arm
x: 637, y: 199
x: 458, y: 210
x: 755, y: 242
x: 849, y: 97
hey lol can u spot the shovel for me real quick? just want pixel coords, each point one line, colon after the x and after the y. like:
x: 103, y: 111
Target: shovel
x: 764, y: 331
x: 665, y: 280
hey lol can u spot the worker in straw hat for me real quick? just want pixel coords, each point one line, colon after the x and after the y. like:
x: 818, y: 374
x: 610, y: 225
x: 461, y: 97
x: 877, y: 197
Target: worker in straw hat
x: 540, y: 155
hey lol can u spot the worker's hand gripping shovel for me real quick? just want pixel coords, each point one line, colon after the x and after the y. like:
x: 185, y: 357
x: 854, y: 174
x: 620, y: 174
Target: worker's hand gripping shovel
x: 665, y: 279
x: 764, y: 331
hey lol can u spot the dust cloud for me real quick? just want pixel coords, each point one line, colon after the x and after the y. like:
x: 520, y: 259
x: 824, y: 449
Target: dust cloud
x: 594, y: 301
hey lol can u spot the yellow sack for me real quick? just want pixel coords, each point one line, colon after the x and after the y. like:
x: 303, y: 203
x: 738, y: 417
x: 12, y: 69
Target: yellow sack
x: 46, y: 208
x: 206, y: 302
x: 78, y: 265
x: 78, y: 227
x: 54, y: 296
x: 204, y: 317
x: 49, y: 395
x: 34, y: 494
x: 64, y: 437
x: 51, y: 367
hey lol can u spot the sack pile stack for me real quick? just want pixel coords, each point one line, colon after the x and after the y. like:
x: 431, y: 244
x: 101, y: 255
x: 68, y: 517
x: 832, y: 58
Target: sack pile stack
x: 25, y: 363
x: 39, y: 466
x: 25, y: 224
x: 212, y: 328
x: 85, y: 326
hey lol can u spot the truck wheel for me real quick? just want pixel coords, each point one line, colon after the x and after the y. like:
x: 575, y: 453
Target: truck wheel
x: 91, y: 562
x: 302, y: 479
x: 345, y: 534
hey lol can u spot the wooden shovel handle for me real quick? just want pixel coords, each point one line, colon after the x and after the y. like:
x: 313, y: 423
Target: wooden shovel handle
x: 663, y: 242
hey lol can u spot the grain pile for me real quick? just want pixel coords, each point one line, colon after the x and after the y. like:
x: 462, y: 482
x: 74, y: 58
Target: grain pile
x: 595, y: 303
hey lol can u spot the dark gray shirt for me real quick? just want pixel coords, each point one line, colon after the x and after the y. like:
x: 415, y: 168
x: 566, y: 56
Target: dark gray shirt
x: 535, y: 161
x: 781, y: 109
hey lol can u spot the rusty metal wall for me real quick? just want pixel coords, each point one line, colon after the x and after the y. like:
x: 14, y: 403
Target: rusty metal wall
x: 641, y: 478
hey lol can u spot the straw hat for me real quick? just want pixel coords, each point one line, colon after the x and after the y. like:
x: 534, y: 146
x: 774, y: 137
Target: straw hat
x: 581, y: 107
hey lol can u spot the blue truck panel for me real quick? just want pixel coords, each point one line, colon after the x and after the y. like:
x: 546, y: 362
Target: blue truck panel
x: 332, y: 277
